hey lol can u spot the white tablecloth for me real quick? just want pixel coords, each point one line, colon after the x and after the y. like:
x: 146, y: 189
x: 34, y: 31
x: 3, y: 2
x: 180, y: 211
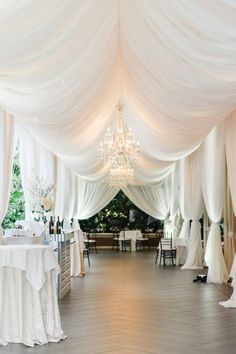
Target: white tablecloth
x: 132, y: 235
x: 17, y: 232
x: 22, y: 240
x: 35, y: 227
x: 181, y: 245
x: 29, y: 311
x: 232, y: 300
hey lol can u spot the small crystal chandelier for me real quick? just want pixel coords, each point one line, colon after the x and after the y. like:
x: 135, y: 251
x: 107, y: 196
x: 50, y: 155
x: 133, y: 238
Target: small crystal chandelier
x: 119, y: 148
x: 121, y: 175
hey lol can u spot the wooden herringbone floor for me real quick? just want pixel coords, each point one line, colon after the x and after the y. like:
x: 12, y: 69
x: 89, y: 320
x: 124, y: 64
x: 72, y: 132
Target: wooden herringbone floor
x: 127, y: 305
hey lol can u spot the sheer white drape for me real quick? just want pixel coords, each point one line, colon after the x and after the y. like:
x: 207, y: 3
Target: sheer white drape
x: 161, y: 45
x: 183, y: 204
x: 35, y: 161
x: 75, y: 197
x: 213, y: 180
x: 71, y: 60
x: 175, y: 217
x: 174, y: 193
x: 78, y: 198
x: 6, y: 158
x: 185, y: 229
x: 230, y: 141
x: 191, y: 202
x: 152, y: 199
x: 92, y: 197
x: 64, y: 203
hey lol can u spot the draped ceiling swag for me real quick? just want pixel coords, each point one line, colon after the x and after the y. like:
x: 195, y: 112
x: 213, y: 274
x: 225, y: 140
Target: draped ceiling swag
x: 65, y: 64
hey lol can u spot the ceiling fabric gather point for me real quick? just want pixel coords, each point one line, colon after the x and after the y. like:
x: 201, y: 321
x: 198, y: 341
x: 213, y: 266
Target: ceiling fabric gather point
x: 65, y: 65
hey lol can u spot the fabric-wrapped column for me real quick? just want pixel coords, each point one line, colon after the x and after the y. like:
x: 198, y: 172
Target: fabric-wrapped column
x: 194, y: 259
x: 217, y: 271
x: 213, y: 179
x: 185, y: 229
x: 191, y: 205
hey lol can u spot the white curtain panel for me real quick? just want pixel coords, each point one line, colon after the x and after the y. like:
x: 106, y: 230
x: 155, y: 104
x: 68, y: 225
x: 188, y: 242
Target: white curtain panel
x: 230, y: 142
x: 174, y: 193
x: 35, y: 161
x: 71, y: 61
x: 183, y: 202
x: 175, y: 217
x: 78, y: 198
x: 191, y: 203
x: 92, y: 197
x: 152, y: 199
x: 74, y: 197
x: 185, y: 230
x: 66, y: 192
x: 6, y: 159
x: 217, y: 270
x: 213, y: 181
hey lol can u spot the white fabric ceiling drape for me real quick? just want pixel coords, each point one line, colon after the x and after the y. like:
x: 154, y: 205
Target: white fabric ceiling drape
x: 175, y: 69
x: 213, y: 181
x: 230, y: 141
x: 173, y: 63
x: 191, y: 202
x: 6, y: 158
x: 153, y: 199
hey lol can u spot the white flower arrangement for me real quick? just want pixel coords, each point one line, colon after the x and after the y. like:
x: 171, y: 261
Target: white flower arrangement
x: 41, y: 197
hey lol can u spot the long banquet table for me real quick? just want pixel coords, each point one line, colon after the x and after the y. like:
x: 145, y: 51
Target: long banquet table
x: 29, y: 311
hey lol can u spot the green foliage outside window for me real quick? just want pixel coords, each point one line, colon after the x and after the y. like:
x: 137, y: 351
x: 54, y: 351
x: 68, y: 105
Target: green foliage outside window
x: 16, y: 207
x: 125, y: 212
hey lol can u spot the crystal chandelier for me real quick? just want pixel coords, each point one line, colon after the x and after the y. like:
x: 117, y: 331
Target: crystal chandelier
x: 121, y: 175
x: 119, y: 148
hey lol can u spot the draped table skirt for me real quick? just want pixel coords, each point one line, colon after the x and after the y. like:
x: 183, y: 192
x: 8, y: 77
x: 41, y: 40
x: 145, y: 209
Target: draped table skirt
x: 27, y: 315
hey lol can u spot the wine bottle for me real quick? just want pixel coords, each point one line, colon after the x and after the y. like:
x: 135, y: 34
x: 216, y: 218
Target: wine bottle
x: 50, y: 225
x: 58, y: 226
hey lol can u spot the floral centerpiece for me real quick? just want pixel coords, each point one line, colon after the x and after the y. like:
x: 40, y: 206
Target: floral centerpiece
x: 41, y: 198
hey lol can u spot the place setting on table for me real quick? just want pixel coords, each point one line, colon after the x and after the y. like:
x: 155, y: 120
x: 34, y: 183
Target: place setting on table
x: 29, y: 281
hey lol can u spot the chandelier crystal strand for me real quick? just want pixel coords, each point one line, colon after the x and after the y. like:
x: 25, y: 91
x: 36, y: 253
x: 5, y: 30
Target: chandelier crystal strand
x: 120, y: 176
x: 119, y: 148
